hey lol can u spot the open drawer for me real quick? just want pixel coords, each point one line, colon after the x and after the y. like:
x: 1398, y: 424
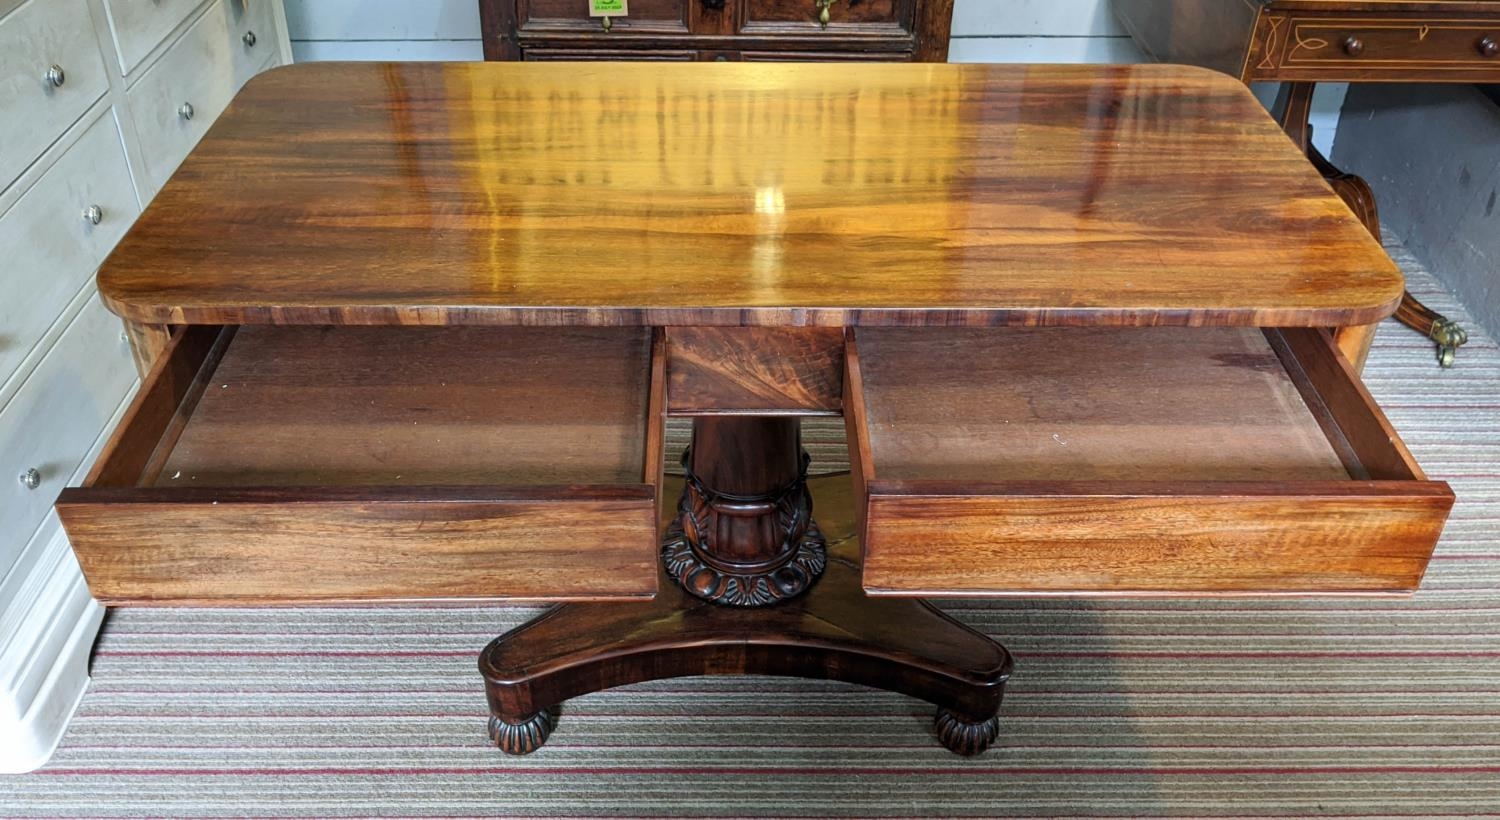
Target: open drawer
x: 330, y: 464
x: 1128, y: 460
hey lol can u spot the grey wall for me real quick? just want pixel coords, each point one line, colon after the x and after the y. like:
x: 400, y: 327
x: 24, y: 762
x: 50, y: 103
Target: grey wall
x: 1432, y: 154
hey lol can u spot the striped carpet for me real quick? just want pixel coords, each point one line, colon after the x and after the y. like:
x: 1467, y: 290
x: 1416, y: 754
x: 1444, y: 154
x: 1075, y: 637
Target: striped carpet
x: 1322, y: 707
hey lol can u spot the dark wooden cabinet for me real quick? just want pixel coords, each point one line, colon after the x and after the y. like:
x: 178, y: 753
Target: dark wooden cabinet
x: 719, y: 30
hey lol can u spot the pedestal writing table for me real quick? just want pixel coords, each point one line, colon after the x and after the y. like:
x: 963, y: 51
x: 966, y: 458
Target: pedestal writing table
x: 414, y: 331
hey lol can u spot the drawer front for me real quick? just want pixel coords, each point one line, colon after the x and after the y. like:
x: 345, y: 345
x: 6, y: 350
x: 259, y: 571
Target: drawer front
x: 571, y: 16
x: 1401, y: 48
x: 984, y: 467
x: 754, y: 370
x: 826, y: 56
x: 53, y: 420
x: 252, y: 37
x: 1077, y: 538
x: 642, y: 55
x: 139, y: 26
x: 181, y: 95
x: 246, y: 547
x: 53, y: 244
x: 828, y: 17
x: 36, y: 103
x: 480, y: 463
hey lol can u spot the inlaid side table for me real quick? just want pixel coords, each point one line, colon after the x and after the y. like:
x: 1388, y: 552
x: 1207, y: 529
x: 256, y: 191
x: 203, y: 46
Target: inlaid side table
x: 1067, y: 363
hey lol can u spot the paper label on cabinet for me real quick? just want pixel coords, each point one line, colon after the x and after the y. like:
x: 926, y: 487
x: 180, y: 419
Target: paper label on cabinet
x: 607, y: 8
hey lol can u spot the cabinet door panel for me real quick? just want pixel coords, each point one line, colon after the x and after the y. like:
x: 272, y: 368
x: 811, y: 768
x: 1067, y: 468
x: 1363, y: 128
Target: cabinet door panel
x: 844, y: 16
x: 540, y: 16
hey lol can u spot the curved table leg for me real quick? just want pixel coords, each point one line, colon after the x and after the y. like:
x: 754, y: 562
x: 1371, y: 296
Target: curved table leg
x: 1296, y: 103
x: 830, y: 630
x: 1440, y: 329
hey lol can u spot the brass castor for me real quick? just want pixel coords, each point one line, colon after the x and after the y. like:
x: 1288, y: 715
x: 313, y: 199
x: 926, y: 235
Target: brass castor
x: 525, y: 737
x: 965, y: 738
x: 1449, y: 337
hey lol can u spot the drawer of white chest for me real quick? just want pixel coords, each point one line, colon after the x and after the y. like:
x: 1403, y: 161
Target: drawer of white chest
x: 56, y: 235
x: 50, y: 424
x: 252, y: 37
x: 52, y: 72
x: 139, y: 26
x: 182, y: 93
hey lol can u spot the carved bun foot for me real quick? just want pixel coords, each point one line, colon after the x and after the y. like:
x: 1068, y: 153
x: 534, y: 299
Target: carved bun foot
x: 965, y: 738
x: 525, y: 737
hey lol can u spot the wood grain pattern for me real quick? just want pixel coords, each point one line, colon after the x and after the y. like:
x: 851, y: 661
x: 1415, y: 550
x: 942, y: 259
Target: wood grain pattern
x: 324, y: 464
x: 323, y: 406
x: 147, y: 342
x: 153, y: 421
x: 1236, y: 480
x: 228, y: 547
x: 656, y: 419
x: 949, y: 538
x: 938, y: 194
x: 1343, y: 406
x: 755, y: 370
x: 1302, y: 42
x: 1211, y: 404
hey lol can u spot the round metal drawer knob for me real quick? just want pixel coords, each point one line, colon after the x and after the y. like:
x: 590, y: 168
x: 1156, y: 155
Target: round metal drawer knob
x: 1488, y: 47
x: 31, y: 479
x: 56, y: 76
x: 93, y: 214
x: 1353, y: 46
x: 185, y: 111
x: 248, y: 39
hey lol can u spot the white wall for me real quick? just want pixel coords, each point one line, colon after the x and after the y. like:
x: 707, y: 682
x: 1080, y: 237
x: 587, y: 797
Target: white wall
x: 992, y: 31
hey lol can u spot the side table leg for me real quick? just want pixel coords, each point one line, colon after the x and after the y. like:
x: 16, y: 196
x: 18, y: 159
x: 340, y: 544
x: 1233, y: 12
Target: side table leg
x: 1440, y: 329
x: 1295, y: 105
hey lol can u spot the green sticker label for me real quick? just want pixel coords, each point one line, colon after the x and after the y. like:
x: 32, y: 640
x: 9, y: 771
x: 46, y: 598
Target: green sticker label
x: 607, y: 8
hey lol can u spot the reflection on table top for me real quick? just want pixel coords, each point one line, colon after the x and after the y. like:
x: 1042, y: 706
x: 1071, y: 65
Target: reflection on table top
x: 792, y: 194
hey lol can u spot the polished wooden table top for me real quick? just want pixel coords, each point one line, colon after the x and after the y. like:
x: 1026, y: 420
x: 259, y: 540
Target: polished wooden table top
x: 762, y: 194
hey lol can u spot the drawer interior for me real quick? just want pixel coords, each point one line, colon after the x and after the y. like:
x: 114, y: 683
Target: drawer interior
x: 357, y: 406
x: 338, y: 464
x: 1120, y: 460
x: 1089, y: 403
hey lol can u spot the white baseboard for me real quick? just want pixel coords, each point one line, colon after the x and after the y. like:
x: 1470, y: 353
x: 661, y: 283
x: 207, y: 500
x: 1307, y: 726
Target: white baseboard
x: 48, y: 623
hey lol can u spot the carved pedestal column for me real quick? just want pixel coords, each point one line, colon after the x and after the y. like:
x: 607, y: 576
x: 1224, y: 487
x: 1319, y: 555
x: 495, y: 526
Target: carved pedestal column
x: 744, y: 534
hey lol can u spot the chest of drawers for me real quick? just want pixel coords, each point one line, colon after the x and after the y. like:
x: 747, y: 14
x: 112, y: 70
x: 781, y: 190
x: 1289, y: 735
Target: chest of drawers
x: 92, y: 94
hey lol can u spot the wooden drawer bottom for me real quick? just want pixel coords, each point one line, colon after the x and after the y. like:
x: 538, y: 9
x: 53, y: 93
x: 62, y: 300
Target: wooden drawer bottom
x: 354, y: 464
x: 1152, y: 461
